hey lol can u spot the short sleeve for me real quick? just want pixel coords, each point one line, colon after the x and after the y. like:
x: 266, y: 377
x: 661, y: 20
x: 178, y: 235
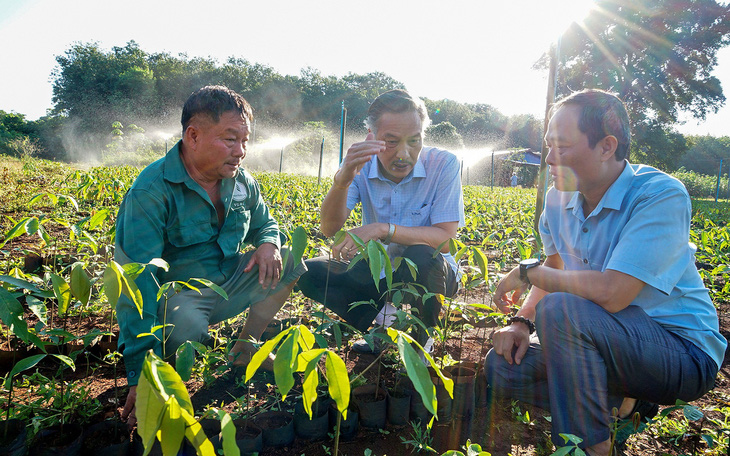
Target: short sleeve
x: 657, y: 230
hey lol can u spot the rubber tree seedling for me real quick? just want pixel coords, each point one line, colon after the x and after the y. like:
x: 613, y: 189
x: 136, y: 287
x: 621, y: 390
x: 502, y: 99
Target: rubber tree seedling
x: 297, y: 353
x: 23, y: 365
x: 164, y: 410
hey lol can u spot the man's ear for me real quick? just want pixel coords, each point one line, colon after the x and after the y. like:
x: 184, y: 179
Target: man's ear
x: 609, y: 144
x: 191, y: 136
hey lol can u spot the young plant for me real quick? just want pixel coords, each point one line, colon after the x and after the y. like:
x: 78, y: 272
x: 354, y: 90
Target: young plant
x: 164, y: 410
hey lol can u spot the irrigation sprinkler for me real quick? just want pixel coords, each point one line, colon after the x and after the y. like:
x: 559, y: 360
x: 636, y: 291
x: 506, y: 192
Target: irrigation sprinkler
x: 719, y: 178
x: 491, y: 185
x: 281, y: 159
x: 343, y: 123
x: 321, y: 157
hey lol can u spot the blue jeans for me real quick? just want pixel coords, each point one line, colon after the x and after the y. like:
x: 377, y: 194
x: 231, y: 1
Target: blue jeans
x: 585, y: 360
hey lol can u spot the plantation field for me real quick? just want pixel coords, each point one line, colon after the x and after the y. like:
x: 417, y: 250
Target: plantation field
x: 56, y: 251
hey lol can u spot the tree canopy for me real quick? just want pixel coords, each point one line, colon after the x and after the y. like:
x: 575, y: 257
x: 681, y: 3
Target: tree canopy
x: 658, y: 56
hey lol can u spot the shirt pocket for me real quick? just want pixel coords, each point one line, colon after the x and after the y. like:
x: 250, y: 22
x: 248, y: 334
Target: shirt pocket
x: 418, y: 216
x: 234, y: 231
x: 189, y: 234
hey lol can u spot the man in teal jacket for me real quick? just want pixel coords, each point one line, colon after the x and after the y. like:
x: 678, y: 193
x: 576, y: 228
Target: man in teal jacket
x: 196, y: 208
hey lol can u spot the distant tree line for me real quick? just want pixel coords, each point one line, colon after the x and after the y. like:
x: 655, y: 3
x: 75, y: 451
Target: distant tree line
x: 93, y: 89
x: 658, y: 55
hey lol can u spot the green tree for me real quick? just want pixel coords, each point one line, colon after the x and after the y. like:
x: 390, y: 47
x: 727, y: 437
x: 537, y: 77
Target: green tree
x: 705, y: 153
x: 444, y: 135
x: 658, y: 55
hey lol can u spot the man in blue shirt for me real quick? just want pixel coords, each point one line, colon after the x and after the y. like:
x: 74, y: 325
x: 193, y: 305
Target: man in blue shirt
x: 621, y: 314
x: 412, y: 202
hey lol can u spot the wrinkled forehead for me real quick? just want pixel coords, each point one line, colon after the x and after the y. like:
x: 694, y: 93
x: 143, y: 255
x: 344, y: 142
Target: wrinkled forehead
x: 399, y: 125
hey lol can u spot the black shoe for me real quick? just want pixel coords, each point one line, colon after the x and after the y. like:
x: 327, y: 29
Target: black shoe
x: 363, y: 347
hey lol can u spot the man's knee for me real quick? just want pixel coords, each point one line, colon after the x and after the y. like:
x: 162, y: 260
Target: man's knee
x: 555, y: 311
x: 495, y: 369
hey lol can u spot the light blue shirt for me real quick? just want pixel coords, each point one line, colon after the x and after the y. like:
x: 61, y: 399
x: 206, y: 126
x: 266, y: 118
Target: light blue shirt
x: 431, y: 193
x: 641, y: 228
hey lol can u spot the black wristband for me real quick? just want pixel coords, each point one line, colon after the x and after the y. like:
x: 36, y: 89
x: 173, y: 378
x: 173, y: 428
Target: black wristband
x: 525, y: 320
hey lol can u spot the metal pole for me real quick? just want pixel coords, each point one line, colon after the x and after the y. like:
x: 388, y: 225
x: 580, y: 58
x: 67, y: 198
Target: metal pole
x: 281, y: 159
x: 719, y: 176
x: 321, y: 157
x: 343, y: 122
x: 491, y: 185
x: 542, y: 174
x: 467, y: 176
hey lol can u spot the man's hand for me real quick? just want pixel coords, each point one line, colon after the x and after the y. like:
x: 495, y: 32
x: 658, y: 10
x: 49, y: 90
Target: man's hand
x: 268, y: 258
x: 129, y: 413
x: 357, y: 155
x: 347, y: 249
x: 516, y: 335
x: 509, y: 283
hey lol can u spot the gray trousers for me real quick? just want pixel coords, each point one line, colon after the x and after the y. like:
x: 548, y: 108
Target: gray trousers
x: 191, y: 312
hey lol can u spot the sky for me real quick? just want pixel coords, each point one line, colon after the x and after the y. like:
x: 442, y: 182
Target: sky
x: 470, y: 51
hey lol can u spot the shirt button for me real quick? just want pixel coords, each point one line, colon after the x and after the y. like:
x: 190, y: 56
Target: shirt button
x: 132, y: 374
x: 585, y: 230
x: 585, y: 260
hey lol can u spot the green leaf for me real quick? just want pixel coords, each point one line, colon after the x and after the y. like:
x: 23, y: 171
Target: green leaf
x: 228, y: 434
x: 311, y: 377
x: 113, y: 284
x: 415, y: 369
x: 298, y: 243
x: 284, y: 363
x: 481, y: 260
x: 38, y: 308
x: 264, y: 352
x: 221, y: 292
x: 165, y: 380
x: 375, y: 261
x: 98, y: 218
x: 20, y: 366
x: 80, y: 283
x: 196, y: 436
x: 62, y: 292
x: 184, y: 360
x: 692, y: 413
x: 66, y: 360
x: 160, y: 263
x: 172, y: 428
x: 338, y: 382
x: 19, y: 229
x: 20, y: 283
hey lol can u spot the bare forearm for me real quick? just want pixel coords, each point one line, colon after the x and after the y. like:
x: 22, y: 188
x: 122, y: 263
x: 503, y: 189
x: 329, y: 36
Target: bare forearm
x: 433, y: 236
x: 611, y: 290
x: 334, y: 212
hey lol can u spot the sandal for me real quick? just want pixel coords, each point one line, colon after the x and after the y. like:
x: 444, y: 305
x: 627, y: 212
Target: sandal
x: 625, y: 426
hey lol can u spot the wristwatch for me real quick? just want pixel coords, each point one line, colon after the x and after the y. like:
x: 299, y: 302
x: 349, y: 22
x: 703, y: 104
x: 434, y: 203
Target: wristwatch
x: 525, y: 265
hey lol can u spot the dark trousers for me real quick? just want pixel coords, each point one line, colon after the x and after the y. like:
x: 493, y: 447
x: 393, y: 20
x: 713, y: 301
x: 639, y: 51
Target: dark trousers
x: 331, y: 283
x: 588, y: 359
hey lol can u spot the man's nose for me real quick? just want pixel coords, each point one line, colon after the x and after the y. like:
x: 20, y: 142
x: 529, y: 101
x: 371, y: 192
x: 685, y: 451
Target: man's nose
x: 239, y: 150
x: 550, y: 158
x: 402, y: 152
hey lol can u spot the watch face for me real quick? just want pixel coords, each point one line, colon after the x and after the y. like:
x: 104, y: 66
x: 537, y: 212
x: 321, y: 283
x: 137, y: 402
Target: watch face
x: 530, y: 262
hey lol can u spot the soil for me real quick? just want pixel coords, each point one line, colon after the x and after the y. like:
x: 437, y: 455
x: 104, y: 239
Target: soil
x: 497, y: 428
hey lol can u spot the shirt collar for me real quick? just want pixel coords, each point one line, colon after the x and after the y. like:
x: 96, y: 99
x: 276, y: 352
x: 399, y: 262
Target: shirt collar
x: 418, y: 171
x: 613, y: 197
x: 174, y: 168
